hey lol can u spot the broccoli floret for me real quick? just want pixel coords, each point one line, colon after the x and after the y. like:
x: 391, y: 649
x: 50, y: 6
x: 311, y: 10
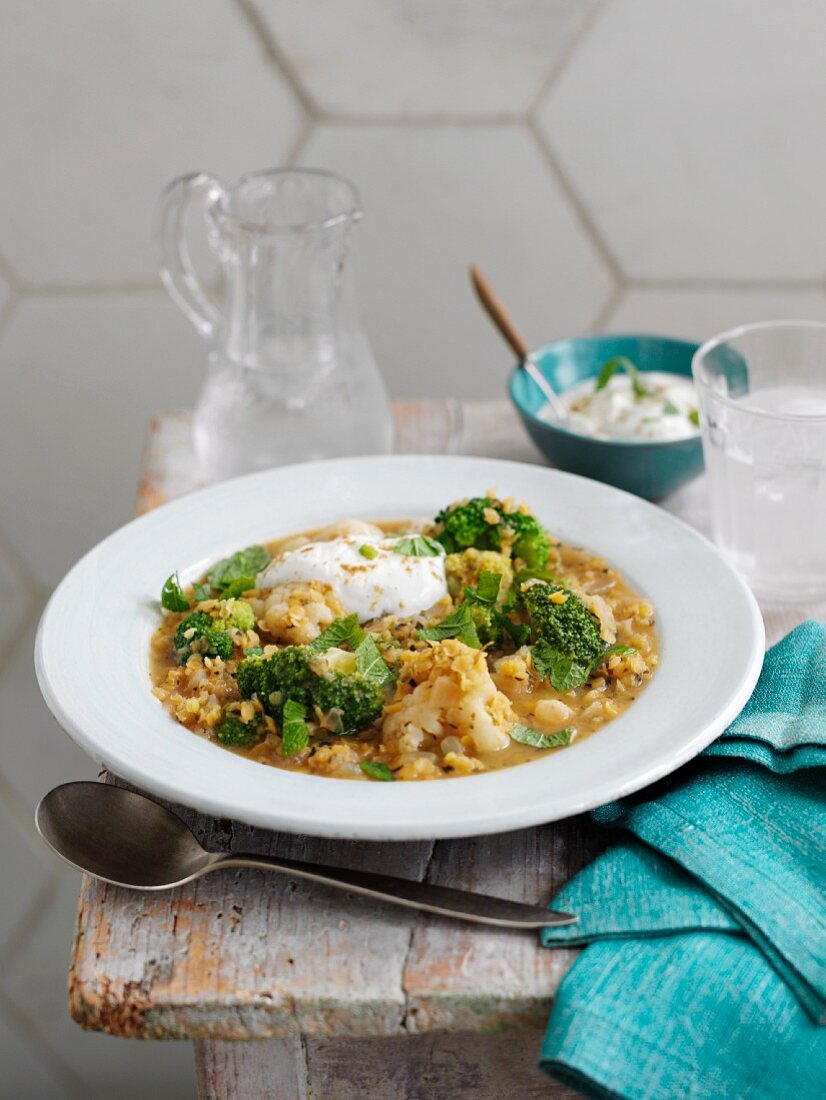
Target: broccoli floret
x: 287, y: 674
x: 483, y: 523
x: 561, y: 619
x: 241, y: 614
x: 359, y: 701
x: 463, y: 570
x: 232, y: 731
x: 197, y: 633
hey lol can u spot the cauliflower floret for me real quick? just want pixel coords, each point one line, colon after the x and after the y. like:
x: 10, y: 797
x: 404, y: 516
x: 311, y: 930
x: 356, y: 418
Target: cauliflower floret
x: 297, y: 613
x: 463, y: 570
x: 446, y: 689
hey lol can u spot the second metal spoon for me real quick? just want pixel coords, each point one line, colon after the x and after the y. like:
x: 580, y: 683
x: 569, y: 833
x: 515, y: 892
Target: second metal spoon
x: 130, y: 840
x: 503, y: 321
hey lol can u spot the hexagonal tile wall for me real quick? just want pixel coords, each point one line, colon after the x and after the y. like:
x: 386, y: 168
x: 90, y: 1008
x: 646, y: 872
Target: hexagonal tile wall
x: 438, y: 198
x: 701, y: 314
x: 169, y: 88
x: 694, y: 133
x: 382, y: 58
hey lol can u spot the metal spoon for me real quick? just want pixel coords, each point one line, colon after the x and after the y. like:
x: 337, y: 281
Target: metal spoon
x: 501, y: 318
x: 129, y: 840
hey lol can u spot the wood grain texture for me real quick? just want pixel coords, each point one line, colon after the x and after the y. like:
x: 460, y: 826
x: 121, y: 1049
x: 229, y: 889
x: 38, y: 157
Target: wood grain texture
x: 243, y: 954
x: 457, y: 1066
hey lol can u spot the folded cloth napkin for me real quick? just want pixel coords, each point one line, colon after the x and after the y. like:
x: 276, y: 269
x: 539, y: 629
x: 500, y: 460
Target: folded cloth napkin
x: 706, y: 971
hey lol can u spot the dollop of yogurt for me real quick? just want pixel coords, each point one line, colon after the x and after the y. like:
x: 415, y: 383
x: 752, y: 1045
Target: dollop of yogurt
x: 667, y: 410
x: 379, y: 581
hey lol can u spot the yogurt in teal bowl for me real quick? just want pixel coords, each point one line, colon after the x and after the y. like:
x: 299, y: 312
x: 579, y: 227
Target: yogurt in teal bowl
x: 638, y: 431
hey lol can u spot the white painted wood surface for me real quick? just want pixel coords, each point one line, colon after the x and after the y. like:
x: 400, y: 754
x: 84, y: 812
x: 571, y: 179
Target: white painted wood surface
x: 346, y: 997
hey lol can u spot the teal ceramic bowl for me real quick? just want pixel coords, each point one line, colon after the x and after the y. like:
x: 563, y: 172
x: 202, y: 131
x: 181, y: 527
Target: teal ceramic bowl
x: 651, y: 469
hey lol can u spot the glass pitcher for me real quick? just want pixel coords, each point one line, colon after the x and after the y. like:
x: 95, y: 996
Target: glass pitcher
x: 290, y: 373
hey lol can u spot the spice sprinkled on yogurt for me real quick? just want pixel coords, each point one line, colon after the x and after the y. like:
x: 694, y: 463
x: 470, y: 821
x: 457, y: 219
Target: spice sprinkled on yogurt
x: 626, y: 405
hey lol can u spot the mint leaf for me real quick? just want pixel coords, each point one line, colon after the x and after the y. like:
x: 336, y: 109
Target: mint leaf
x: 294, y: 732
x: 243, y: 563
x: 487, y: 587
x: 238, y: 587
x: 694, y: 417
x: 419, y: 546
x: 458, y: 624
x: 201, y: 592
x: 340, y: 632
x: 618, y: 649
x: 376, y: 770
x: 610, y: 368
x: 172, y: 596
x: 368, y: 552
x: 370, y: 663
x: 527, y: 736
x: 519, y: 632
x: 563, y: 671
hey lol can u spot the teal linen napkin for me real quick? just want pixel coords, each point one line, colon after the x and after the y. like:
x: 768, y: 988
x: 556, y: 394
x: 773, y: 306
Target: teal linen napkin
x: 706, y: 974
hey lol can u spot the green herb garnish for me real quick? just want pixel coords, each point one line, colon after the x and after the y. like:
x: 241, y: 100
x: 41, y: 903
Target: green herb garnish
x: 419, y: 546
x: 346, y: 631
x: 694, y: 417
x: 238, y: 587
x: 669, y: 408
x: 243, y: 564
x: 458, y: 624
x: 254, y: 651
x: 610, y: 368
x: 201, y: 592
x: 376, y: 770
x: 368, y: 552
x: 562, y: 670
x: 295, y: 735
x: 172, y: 596
x: 370, y: 663
x: 527, y: 736
x: 618, y: 649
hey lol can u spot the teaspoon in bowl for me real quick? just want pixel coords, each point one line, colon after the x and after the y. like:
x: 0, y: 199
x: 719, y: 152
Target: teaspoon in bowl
x: 130, y: 840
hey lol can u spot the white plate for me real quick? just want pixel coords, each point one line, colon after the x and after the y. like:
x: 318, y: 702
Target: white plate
x: 93, y: 642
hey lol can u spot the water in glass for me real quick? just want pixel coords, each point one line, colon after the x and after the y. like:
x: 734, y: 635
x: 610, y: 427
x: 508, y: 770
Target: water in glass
x: 290, y: 373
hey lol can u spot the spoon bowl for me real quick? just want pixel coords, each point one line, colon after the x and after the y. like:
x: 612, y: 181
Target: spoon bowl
x: 120, y: 837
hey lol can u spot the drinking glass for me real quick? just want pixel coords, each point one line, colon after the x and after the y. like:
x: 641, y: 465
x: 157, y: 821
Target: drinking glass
x: 762, y: 399
x: 290, y: 373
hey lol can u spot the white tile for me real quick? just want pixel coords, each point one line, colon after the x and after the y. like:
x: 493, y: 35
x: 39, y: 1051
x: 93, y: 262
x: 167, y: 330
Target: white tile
x: 700, y: 314
x: 101, y: 104
x: 695, y: 133
x: 35, y: 754
x: 80, y: 379
x: 23, y: 1074
x: 23, y: 871
x: 438, y: 198
x: 392, y: 57
x: 107, y: 1067
x: 14, y: 599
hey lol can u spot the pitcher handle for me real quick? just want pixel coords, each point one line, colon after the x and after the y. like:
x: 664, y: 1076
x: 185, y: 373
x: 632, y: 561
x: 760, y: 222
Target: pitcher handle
x: 198, y: 191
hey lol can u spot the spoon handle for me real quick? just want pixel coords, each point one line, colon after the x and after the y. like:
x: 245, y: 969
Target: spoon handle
x: 443, y: 900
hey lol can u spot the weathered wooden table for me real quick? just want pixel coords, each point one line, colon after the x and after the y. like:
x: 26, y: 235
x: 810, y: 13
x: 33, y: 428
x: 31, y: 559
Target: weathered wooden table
x: 346, y: 999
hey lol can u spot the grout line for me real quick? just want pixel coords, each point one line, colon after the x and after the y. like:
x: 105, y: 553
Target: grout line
x: 607, y: 310
x: 411, y: 120
x: 723, y: 283
x: 30, y: 920
x: 564, y: 63
x: 10, y: 275
x: 87, y: 290
x: 277, y: 57
x: 586, y: 222
x: 299, y: 145
x: 29, y: 1033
